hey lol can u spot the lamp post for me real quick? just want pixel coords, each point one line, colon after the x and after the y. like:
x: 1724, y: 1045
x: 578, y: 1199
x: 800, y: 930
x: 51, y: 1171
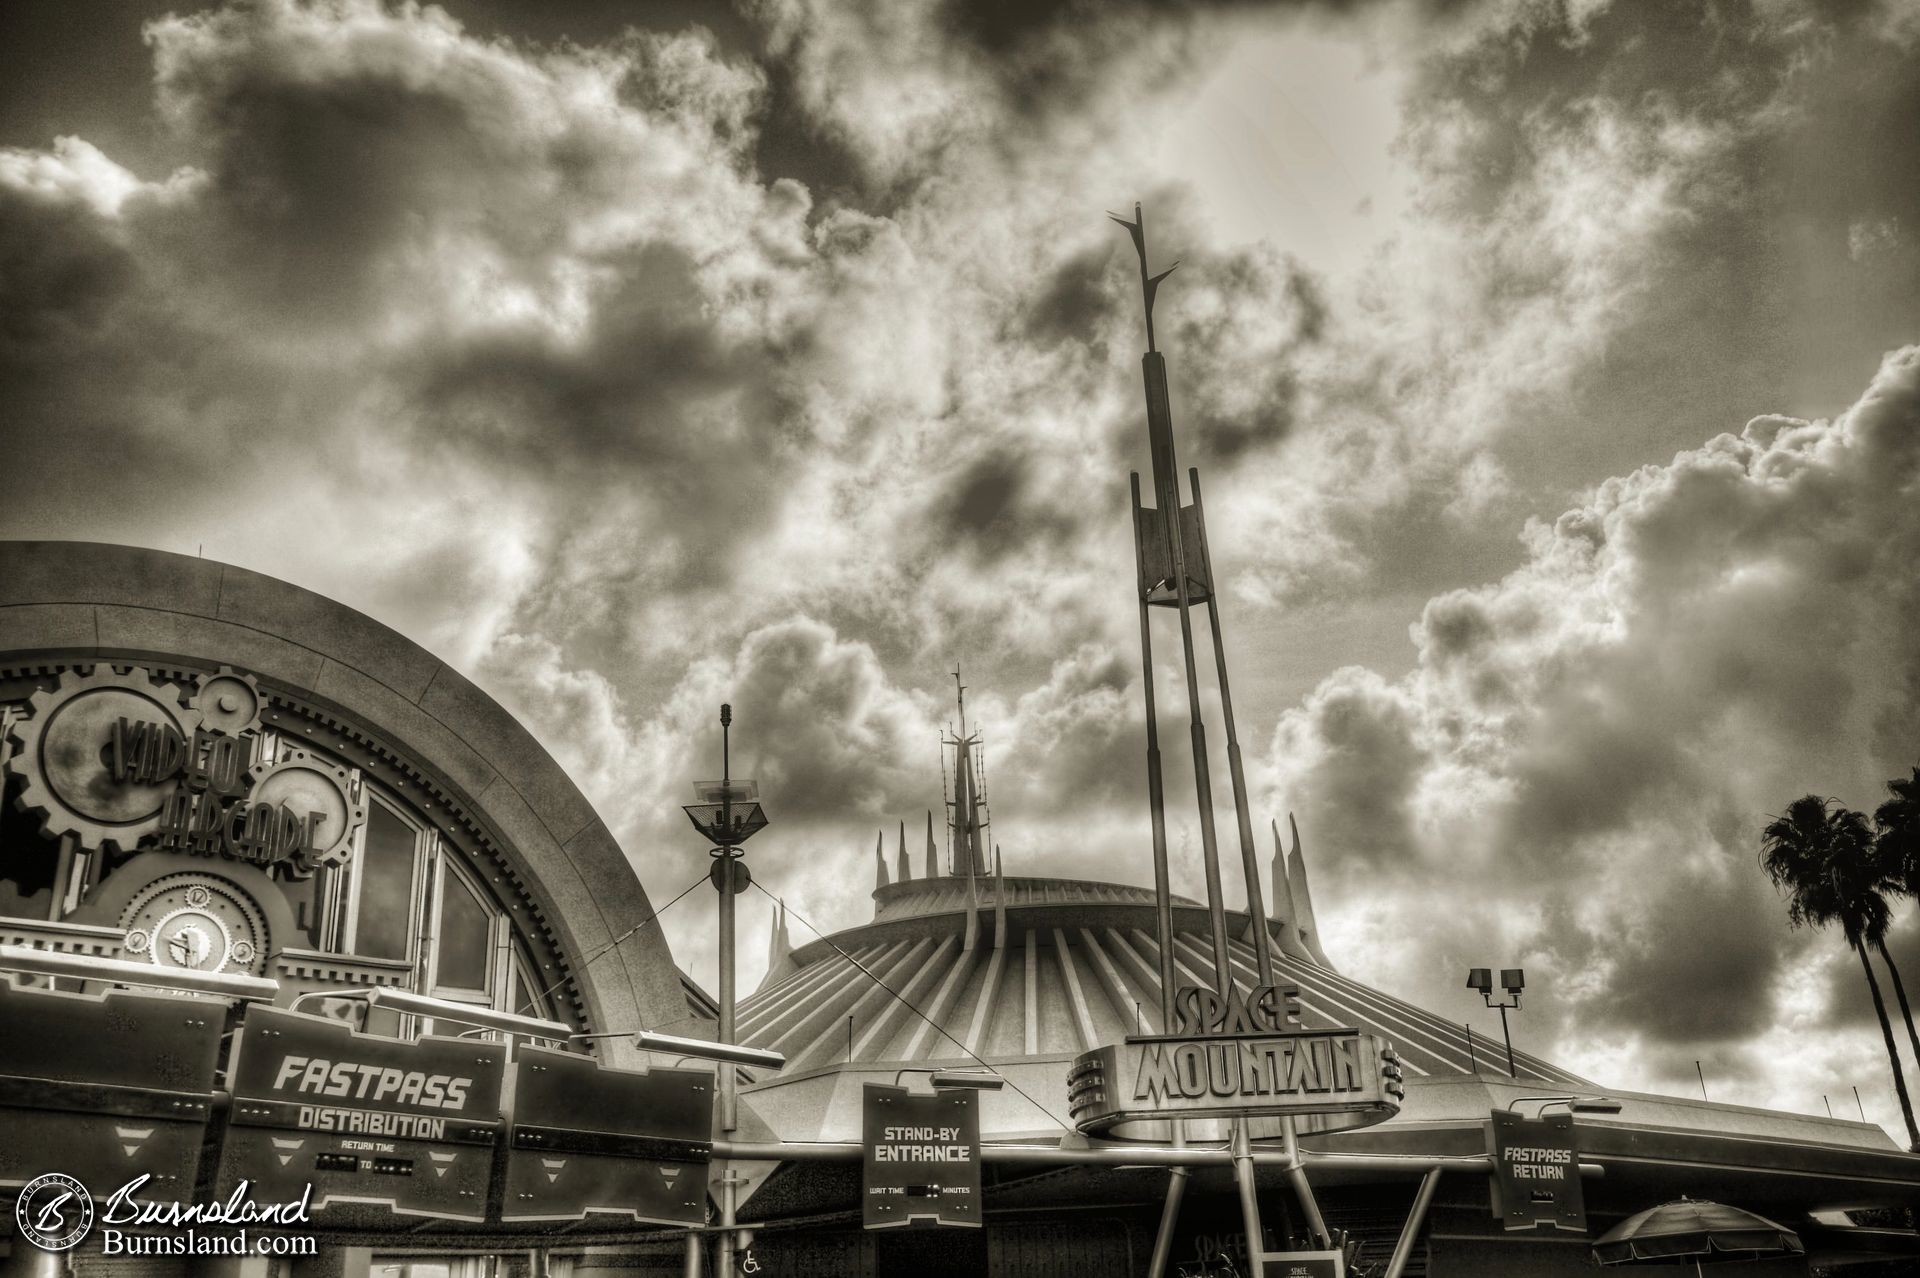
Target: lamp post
x: 727, y: 815
x: 1512, y: 980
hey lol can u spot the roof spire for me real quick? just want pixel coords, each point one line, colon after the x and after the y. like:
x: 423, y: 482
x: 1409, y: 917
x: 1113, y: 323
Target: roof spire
x: 905, y: 871
x: 999, y: 901
x: 1285, y: 917
x: 968, y: 818
x: 933, y: 852
x: 879, y: 860
x: 780, y: 964
x: 1303, y: 899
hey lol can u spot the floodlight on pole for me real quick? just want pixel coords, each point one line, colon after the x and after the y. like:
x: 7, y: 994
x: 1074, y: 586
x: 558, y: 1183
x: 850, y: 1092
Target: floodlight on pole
x: 1513, y: 980
x: 728, y: 814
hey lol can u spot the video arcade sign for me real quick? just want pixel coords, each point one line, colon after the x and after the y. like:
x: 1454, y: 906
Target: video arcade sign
x: 410, y: 1126
x: 1234, y: 1056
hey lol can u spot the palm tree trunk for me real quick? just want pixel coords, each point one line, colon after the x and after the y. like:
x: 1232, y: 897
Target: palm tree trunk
x: 1900, y: 995
x: 1893, y: 1053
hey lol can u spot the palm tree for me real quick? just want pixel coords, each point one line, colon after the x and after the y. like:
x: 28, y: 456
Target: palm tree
x: 1822, y: 855
x: 1898, y: 824
x: 1896, y: 847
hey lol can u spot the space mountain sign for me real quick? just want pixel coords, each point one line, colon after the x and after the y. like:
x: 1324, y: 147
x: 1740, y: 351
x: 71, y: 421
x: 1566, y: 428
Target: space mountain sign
x: 1234, y: 1056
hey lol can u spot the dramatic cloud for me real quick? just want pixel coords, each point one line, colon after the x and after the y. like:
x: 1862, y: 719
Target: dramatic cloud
x: 1580, y: 762
x: 792, y: 362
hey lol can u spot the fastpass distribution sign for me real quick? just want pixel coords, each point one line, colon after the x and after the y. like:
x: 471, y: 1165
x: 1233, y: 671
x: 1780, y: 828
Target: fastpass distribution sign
x: 410, y: 1126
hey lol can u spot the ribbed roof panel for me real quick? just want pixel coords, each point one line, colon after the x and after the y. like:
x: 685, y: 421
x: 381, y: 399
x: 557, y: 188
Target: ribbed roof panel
x: 1053, y: 987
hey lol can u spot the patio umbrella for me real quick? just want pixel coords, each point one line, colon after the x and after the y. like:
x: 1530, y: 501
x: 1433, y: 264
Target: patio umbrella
x: 1689, y: 1230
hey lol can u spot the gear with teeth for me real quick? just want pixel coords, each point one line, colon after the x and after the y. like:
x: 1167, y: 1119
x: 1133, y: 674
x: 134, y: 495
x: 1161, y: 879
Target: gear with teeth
x: 303, y: 783
x: 63, y: 749
x: 229, y: 702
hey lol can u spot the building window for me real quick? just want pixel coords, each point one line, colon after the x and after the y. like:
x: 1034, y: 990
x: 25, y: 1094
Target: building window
x: 387, y: 872
x: 465, y: 938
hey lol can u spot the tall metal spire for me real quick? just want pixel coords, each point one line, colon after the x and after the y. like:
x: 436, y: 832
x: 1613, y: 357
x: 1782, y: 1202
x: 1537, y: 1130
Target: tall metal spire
x: 967, y: 818
x: 1175, y: 571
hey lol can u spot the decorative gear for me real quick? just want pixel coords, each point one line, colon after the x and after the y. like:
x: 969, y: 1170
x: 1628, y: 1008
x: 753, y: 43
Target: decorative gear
x: 63, y: 748
x: 304, y: 783
x: 196, y: 920
x: 229, y: 702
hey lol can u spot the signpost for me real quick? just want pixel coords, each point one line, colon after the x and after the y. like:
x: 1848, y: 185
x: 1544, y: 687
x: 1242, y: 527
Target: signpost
x: 1304, y: 1264
x: 106, y: 1087
x: 590, y: 1139
x: 1536, y: 1172
x: 410, y: 1126
x: 1234, y: 1057
x: 922, y: 1157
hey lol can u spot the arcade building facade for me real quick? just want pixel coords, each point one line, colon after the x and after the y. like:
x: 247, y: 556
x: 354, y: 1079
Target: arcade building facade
x: 211, y: 771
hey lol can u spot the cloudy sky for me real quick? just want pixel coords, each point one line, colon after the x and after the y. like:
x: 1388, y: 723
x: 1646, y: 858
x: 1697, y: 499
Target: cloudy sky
x: 1546, y: 363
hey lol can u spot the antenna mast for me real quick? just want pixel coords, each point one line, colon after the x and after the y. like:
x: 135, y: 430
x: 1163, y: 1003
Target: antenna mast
x: 1175, y: 571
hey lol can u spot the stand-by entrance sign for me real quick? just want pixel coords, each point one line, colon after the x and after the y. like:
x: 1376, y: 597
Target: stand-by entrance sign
x: 1536, y: 1172
x: 922, y: 1157
x: 409, y: 1126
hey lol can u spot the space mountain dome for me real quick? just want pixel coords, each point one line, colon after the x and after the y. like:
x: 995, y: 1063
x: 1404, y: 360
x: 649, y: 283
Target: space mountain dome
x: 1014, y: 967
x: 966, y: 967
x: 967, y: 964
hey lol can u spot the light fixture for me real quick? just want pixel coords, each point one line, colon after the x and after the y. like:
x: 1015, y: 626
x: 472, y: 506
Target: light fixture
x: 974, y: 1080
x: 466, y: 1014
x: 87, y: 967
x: 729, y: 1053
x: 1575, y: 1104
x: 444, y: 1010
x: 1512, y: 980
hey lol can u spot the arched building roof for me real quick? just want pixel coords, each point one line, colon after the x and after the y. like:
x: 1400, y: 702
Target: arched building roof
x: 84, y: 602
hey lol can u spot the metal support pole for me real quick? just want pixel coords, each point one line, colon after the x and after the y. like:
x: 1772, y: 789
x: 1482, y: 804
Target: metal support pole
x: 725, y: 1075
x: 1169, y: 1217
x: 1156, y: 794
x: 1422, y: 1198
x: 1167, y: 492
x: 1297, y: 1173
x: 1508, y: 1035
x: 1104, y: 1155
x: 1249, y: 865
x: 1242, y: 1151
x: 696, y: 1261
